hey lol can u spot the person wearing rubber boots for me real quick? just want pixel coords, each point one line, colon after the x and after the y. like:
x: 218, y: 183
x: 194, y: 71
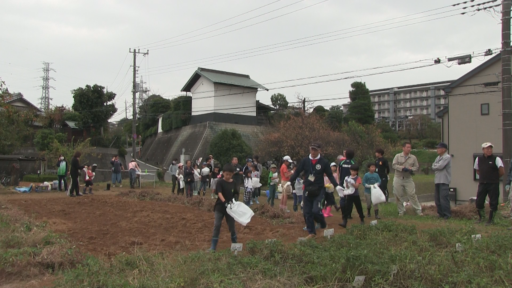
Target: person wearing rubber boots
x: 405, y: 164
x: 314, y: 167
x: 442, y: 166
x: 489, y: 169
x: 382, y: 168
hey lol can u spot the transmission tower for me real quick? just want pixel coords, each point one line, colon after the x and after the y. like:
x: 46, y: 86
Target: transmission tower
x: 45, y: 97
x: 142, y: 92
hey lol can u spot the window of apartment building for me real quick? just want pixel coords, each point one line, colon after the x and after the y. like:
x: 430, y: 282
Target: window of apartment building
x: 484, y: 109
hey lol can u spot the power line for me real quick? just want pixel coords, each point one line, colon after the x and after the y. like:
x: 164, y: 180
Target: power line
x: 254, y: 24
x: 204, y: 27
x: 120, y: 68
x: 311, y: 44
x: 313, y: 36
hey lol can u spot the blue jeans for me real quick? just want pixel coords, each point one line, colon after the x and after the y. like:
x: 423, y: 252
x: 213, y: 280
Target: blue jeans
x: 220, y: 213
x: 271, y: 194
x: 116, y: 177
x: 313, y: 212
x: 297, y: 199
x: 203, y: 187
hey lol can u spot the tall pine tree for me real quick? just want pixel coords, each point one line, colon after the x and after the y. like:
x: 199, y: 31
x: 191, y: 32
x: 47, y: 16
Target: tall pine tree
x: 360, y: 109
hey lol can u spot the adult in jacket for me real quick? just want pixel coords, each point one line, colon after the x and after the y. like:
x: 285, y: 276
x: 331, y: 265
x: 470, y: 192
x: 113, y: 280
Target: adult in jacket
x: 74, y: 171
x: 62, y: 172
x: 188, y: 175
x: 314, y: 167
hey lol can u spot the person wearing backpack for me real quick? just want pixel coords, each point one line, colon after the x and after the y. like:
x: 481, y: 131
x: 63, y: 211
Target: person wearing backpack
x: 62, y: 172
x: 314, y: 167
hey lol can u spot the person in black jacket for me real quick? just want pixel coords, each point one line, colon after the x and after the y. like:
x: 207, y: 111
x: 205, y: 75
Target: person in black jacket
x: 314, y: 168
x: 188, y: 176
x: 382, y: 168
x: 74, y: 172
x: 343, y: 172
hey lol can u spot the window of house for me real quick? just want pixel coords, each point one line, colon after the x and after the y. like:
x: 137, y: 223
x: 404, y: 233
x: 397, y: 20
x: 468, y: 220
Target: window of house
x: 484, y: 109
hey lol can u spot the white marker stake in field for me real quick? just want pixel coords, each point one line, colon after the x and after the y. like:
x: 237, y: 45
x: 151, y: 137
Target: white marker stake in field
x: 476, y: 237
x: 237, y: 247
x: 270, y: 241
x: 328, y: 233
x: 301, y: 239
x: 459, y: 247
x: 359, y: 281
x: 373, y: 223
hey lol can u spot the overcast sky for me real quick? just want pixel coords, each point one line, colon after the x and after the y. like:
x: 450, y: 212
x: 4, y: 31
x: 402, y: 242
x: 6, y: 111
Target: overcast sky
x: 87, y: 42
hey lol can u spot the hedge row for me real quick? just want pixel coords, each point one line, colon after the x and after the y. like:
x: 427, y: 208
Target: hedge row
x: 39, y: 178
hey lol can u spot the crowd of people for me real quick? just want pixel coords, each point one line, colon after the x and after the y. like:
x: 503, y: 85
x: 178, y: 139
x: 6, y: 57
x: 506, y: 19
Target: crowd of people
x: 312, y: 182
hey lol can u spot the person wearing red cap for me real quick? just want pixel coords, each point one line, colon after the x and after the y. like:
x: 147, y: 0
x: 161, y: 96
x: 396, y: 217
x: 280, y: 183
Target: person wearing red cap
x: 489, y: 169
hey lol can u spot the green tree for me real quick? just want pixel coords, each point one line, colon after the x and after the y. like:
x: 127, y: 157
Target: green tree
x: 334, y: 118
x: 94, y: 105
x: 71, y: 116
x: 360, y: 108
x: 15, y: 125
x: 150, y: 109
x: 388, y: 133
x: 181, y: 111
x: 229, y: 143
x: 320, y: 111
x: 279, y: 101
x: 44, y: 139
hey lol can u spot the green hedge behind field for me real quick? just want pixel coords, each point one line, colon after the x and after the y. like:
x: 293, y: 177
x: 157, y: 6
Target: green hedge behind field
x: 39, y: 178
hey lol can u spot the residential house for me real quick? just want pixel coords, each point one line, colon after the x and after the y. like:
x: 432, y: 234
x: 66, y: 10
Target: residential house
x: 473, y: 117
x: 220, y: 96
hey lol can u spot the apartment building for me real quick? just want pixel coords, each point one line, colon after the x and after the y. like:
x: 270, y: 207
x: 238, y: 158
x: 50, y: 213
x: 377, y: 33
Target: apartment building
x: 397, y: 104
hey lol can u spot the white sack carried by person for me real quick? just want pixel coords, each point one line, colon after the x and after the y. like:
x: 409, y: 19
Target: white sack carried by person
x: 341, y: 191
x: 349, y: 186
x: 240, y: 212
x: 256, y: 183
x: 377, y: 195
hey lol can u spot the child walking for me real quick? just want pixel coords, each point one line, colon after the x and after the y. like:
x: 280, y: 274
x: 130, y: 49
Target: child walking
x: 215, y: 177
x: 371, y: 178
x: 255, y: 190
x: 89, y: 176
x: 205, y: 173
x: 248, y: 187
x: 273, y: 179
x: 352, y: 197
x: 181, y: 179
x: 224, y: 190
x: 298, y: 192
x: 329, y: 196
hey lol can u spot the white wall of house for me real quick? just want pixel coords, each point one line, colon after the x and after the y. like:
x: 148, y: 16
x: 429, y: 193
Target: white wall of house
x: 235, y: 100
x: 202, y: 97
x: 468, y: 129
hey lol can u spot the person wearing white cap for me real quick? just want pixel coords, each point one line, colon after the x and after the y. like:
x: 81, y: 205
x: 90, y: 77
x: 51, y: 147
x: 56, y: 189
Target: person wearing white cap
x: 285, y: 182
x: 489, y: 169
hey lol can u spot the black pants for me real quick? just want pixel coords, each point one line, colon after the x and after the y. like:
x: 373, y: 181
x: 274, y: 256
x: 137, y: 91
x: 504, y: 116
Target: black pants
x: 384, y: 187
x: 174, y: 180
x: 442, y: 200
x: 63, y: 179
x: 488, y: 189
x: 74, y: 185
x: 351, y: 201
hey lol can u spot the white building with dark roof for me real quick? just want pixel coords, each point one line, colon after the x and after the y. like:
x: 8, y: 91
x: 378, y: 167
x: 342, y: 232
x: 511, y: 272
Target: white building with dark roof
x: 220, y: 96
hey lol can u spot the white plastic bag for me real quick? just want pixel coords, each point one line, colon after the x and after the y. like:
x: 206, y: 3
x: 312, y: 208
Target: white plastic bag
x: 377, y: 195
x: 280, y: 188
x: 341, y: 191
x: 256, y: 183
x: 240, y: 212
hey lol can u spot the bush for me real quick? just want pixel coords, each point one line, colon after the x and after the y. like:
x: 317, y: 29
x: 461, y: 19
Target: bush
x: 264, y: 177
x: 167, y: 121
x: 44, y: 139
x: 228, y: 143
x: 429, y: 143
x: 121, y: 152
x: 39, y: 178
x: 160, y: 175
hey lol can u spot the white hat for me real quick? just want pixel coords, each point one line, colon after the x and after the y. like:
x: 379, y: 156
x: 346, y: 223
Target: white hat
x: 287, y: 158
x: 487, y: 144
x: 333, y: 164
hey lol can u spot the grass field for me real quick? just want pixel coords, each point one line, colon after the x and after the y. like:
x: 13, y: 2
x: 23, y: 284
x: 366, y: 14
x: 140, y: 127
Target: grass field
x: 407, y: 251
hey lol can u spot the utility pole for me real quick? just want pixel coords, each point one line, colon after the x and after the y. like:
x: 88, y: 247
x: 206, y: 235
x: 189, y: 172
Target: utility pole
x: 134, y: 92
x: 506, y: 101
x: 125, y: 109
